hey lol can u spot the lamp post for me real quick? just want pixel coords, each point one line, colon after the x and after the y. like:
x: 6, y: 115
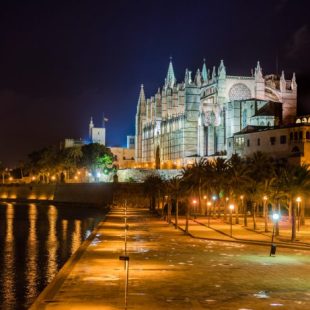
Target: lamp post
x: 298, y: 199
x: 208, y: 212
x: 275, y: 218
x: 225, y: 209
x: 231, y: 208
x: 194, y: 204
x: 265, y: 198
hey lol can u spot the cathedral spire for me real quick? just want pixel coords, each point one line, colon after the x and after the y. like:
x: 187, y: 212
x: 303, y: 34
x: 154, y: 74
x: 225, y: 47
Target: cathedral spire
x: 282, y: 82
x: 91, y: 126
x: 258, y: 72
x: 170, y: 79
x: 204, y: 72
x: 293, y: 83
x: 198, y: 81
x: 213, y: 74
x: 222, y: 70
x: 141, y: 101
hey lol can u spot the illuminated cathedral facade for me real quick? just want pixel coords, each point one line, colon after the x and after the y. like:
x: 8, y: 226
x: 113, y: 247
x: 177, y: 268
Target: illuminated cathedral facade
x: 198, y: 117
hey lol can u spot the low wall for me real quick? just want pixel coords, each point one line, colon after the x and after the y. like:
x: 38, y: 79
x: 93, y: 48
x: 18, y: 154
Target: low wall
x: 90, y: 193
x: 139, y: 175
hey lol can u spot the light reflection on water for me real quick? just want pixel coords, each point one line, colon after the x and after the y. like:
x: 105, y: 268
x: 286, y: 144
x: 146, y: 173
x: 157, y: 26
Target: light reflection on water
x: 35, y: 241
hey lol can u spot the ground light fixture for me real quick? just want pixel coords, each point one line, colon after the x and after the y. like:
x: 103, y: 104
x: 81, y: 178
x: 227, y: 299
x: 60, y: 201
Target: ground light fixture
x: 275, y: 219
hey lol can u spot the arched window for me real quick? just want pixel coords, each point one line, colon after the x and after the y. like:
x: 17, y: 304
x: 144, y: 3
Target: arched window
x: 304, y: 120
x: 298, y: 121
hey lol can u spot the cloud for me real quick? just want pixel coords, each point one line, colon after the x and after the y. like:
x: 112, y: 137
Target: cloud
x: 299, y: 43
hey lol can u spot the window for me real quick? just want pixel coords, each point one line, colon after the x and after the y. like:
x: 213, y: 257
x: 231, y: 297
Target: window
x: 229, y: 144
x: 282, y: 139
x: 307, y: 135
x: 300, y: 135
x: 272, y: 140
x: 291, y: 136
x: 239, y: 141
x: 258, y: 141
x: 248, y: 142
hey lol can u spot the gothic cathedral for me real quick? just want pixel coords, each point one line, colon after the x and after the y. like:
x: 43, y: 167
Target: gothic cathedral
x: 185, y: 121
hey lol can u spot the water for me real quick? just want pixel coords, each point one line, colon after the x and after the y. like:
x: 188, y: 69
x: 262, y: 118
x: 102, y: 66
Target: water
x: 35, y: 241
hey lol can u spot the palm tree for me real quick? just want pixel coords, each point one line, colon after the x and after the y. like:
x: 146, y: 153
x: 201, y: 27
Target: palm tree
x: 238, y: 177
x: 261, y: 170
x: 195, y: 179
x: 219, y: 179
x: 295, y: 181
x: 175, y: 190
x: 152, y: 188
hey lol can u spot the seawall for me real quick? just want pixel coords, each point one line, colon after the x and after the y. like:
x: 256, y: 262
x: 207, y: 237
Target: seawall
x: 98, y: 194
x: 85, y: 193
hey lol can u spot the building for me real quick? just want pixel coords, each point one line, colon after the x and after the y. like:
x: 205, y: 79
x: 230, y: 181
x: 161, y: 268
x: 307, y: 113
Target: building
x: 97, y: 134
x: 288, y: 141
x: 130, y: 142
x: 197, y: 117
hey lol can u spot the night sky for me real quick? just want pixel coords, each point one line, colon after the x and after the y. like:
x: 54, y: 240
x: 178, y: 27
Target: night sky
x: 63, y: 62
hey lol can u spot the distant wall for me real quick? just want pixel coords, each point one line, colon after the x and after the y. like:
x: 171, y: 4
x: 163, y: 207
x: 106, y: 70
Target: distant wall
x: 90, y: 193
x: 138, y: 175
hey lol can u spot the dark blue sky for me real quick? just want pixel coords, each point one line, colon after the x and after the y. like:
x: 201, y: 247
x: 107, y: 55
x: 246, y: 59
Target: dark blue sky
x: 63, y: 62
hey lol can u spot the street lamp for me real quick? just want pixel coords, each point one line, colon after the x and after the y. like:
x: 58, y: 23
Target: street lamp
x: 265, y: 198
x: 275, y: 218
x: 194, y: 204
x: 231, y: 208
x: 298, y: 199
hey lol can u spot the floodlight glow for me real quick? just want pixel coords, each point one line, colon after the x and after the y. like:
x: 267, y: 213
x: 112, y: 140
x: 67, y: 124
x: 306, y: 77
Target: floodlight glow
x: 98, y: 174
x: 214, y: 197
x: 298, y: 199
x: 275, y: 216
x: 231, y: 207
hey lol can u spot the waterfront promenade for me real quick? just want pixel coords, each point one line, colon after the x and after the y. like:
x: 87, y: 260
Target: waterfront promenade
x: 171, y: 270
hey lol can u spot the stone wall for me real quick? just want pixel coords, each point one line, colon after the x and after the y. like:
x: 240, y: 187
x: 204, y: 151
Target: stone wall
x: 139, y: 175
x: 90, y: 193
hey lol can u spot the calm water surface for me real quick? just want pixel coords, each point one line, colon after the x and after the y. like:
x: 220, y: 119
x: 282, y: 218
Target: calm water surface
x: 35, y: 241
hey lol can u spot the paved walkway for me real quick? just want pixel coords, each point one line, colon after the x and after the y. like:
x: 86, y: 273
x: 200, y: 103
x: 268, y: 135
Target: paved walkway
x: 170, y: 270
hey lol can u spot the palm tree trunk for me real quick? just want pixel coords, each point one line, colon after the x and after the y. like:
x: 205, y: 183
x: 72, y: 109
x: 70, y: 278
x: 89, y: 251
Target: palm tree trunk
x: 187, y: 218
x: 254, y: 214
x: 176, y: 213
x: 169, y: 212
x: 302, y: 214
x: 245, y: 214
x: 237, y: 213
x: 293, y: 238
